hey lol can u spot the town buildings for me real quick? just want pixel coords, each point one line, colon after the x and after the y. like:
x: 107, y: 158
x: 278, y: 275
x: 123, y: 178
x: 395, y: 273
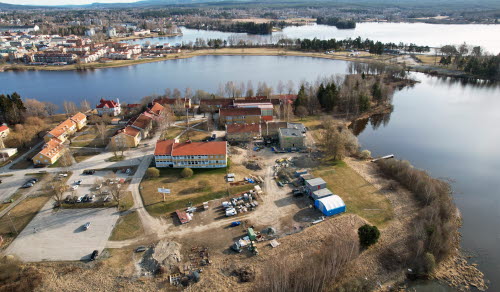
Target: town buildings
x: 242, y: 132
x: 239, y: 115
x: 4, y: 131
x: 171, y: 153
x: 127, y: 137
x: 109, y: 107
x: 21, y: 29
x: 291, y: 139
x: 55, y: 138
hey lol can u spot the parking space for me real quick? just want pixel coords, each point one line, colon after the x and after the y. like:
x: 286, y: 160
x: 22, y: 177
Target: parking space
x: 60, y: 236
x: 88, y: 184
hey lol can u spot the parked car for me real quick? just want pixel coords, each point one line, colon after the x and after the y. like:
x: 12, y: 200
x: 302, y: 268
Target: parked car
x: 235, y: 223
x: 94, y: 255
x: 230, y: 212
x: 106, y: 199
x: 89, y: 171
x: 141, y: 249
x: 78, y: 182
x: 86, y: 226
x: 79, y: 200
x: 128, y: 171
x: 91, y: 198
x: 67, y: 200
x: 74, y: 187
x: 280, y: 184
x: 63, y: 174
x: 27, y: 185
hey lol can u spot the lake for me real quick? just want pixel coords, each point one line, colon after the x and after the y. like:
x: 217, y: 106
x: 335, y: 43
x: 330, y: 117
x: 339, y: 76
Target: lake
x: 433, y: 35
x: 445, y: 126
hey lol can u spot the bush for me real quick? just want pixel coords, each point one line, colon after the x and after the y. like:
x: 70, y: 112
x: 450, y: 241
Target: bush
x: 365, y: 154
x: 187, y: 172
x: 368, y: 235
x: 429, y: 262
x: 152, y: 172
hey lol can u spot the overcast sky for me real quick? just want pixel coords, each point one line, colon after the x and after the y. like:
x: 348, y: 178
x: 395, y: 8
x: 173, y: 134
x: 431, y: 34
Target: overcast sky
x: 63, y: 2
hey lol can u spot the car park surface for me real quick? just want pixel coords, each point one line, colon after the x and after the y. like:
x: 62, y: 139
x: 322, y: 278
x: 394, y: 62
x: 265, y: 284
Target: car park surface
x: 60, y: 235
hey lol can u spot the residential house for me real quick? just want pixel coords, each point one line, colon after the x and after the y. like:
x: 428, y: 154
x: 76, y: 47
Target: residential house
x: 242, y: 132
x: 109, y: 107
x: 61, y: 131
x: 143, y: 123
x: 157, y: 109
x: 266, y: 108
x: 7, y: 152
x: 240, y: 115
x: 171, y: 153
x: 4, y: 131
x: 270, y: 130
x: 80, y: 120
x: 50, y: 153
x: 127, y: 137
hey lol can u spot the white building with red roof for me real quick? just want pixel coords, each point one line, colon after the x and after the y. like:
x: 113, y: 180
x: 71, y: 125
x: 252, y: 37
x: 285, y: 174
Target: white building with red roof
x: 109, y: 107
x: 171, y: 153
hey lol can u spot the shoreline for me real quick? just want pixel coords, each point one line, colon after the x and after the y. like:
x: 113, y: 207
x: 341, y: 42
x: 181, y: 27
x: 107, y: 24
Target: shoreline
x: 364, y: 58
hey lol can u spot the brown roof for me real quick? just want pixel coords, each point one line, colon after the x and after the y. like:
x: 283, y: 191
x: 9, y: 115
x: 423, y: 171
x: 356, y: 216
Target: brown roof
x: 239, y: 112
x: 242, y: 128
x: 217, y: 101
x: 142, y: 121
x: 129, y: 131
x: 169, y: 147
x: 52, y: 148
x: 157, y: 108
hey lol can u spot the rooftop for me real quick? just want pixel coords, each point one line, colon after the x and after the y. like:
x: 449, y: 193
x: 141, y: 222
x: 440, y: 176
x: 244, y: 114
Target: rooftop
x: 107, y: 104
x: 240, y: 112
x: 315, y: 181
x: 170, y: 147
x: 52, y: 148
x: 242, y: 128
x: 291, y: 132
x: 3, y: 128
x: 62, y: 128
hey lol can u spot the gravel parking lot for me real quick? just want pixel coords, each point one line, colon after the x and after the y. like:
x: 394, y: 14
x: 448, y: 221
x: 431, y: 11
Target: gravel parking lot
x: 60, y: 236
x: 88, y: 181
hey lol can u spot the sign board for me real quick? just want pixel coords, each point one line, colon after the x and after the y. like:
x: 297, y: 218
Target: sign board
x: 164, y: 191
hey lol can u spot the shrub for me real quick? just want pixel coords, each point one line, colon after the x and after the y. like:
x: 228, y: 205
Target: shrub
x: 429, y: 262
x: 187, y: 172
x: 365, y: 154
x: 152, y: 172
x: 368, y: 235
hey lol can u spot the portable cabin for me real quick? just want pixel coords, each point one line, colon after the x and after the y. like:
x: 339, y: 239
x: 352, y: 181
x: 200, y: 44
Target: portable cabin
x: 331, y: 205
x: 251, y: 234
x: 315, y: 184
x: 316, y: 195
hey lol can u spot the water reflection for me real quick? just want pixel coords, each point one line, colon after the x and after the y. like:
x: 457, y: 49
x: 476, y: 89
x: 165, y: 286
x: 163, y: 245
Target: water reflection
x: 376, y: 120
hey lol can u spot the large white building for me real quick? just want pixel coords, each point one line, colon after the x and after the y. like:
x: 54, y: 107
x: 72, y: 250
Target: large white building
x: 171, y: 153
x: 23, y: 29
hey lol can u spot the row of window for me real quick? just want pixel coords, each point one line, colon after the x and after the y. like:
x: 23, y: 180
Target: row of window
x: 191, y: 162
x: 188, y: 157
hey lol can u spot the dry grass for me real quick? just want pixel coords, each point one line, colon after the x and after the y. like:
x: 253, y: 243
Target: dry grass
x: 204, y: 185
x: 129, y: 226
x: 428, y: 59
x: 360, y: 197
x: 20, y: 215
x: 91, y: 138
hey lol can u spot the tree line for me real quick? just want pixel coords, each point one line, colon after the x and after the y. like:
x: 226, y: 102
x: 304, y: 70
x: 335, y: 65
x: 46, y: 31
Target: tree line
x: 337, y: 22
x: 238, y: 27
x: 436, y: 228
x: 374, y: 47
x: 471, y: 60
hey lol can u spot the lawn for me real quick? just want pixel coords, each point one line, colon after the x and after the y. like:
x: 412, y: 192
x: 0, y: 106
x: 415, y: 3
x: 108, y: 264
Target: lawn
x: 129, y: 226
x: 360, y: 196
x: 82, y: 156
x: 89, y: 137
x: 172, y: 132
x: 204, y: 185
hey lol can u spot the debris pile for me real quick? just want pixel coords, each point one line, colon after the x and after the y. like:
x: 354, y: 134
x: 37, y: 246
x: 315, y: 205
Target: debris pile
x: 245, y: 274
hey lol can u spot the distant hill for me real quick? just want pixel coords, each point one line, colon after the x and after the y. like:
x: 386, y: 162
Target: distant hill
x: 450, y: 4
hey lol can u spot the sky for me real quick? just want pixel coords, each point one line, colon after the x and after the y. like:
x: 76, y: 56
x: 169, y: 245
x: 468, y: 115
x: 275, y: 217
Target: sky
x: 63, y: 2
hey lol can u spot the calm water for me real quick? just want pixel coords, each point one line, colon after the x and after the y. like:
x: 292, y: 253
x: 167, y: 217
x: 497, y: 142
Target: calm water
x: 451, y: 129
x: 434, y: 35
x: 445, y: 126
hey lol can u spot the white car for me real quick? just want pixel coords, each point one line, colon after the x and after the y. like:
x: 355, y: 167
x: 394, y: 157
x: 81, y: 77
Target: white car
x: 74, y: 187
x: 230, y: 212
x: 86, y: 226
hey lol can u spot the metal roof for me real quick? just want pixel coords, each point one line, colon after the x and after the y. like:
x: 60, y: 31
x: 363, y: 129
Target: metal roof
x: 315, y: 181
x: 290, y: 132
x: 331, y: 202
x: 322, y: 193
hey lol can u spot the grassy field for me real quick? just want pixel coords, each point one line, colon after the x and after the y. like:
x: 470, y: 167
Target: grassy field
x: 20, y: 215
x: 204, y: 185
x: 429, y: 60
x: 89, y: 137
x: 129, y: 226
x: 360, y: 197
x: 171, y: 133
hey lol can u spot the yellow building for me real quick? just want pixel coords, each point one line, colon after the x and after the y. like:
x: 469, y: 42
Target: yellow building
x: 80, y: 120
x: 50, y: 153
x: 128, y: 137
x: 240, y: 116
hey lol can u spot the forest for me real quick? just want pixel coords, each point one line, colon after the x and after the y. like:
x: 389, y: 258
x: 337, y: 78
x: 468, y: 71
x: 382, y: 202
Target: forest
x: 337, y: 22
x: 471, y: 60
x: 238, y: 27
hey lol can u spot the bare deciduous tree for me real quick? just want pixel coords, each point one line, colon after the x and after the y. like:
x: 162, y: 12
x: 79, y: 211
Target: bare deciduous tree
x: 85, y: 106
x: 101, y: 129
x: 35, y: 108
